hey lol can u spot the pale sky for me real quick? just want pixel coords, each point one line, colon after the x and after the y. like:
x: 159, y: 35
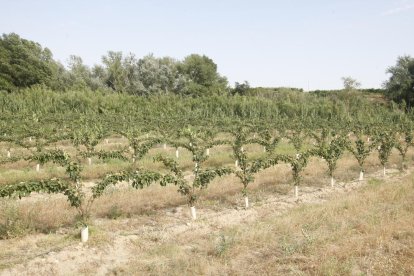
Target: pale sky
x: 305, y: 44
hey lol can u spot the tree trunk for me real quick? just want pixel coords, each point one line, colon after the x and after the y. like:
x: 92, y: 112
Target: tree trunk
x: 246, y: 202
x: 89, y: 161
x: 8, y: 154
x: 37, y: 167
x: 177, y: 153
x: 361, y: 175
x: 332, y: 181
x: 296, y: 191
x: 207, y: 152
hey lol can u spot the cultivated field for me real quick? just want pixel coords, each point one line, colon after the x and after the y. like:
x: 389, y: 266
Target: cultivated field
x: 353, y: 228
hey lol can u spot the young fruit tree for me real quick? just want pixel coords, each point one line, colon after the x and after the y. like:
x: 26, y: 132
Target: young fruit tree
x: 71, y: 187
x: 330, y: 146
x: 86, y: 138
x: 246, y: 168
x: 386, y: 141
x: 140, y: 146
x: 403, y: 142
x: 360, y: 148
x: 297, y: 163
x: 197, y: 145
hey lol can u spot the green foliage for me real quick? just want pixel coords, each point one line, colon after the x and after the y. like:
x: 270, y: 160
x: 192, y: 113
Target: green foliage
x: 138, y: 178
x: 248, y: 168
x: 386, y: 141
x: 350, y: 84
x: 330, y: 146
x: 46, y: 186
x: 361, y: 149
x: 87, y: 135
x: 23, y: 63
x: 203, y: 76
x: 298, y: 163
x: 404, y: 141
x: 56, y: 156
x: 400, y: 86
x: 202, y: 177
x: 241, y: 89
x: 117, y: 154
x: 297, y: 137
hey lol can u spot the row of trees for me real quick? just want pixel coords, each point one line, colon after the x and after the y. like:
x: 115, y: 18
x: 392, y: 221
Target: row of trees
x: 24, y: 63
x: 318, y: 139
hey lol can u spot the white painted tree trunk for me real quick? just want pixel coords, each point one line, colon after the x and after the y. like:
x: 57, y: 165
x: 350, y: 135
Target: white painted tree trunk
x: 193, y: 213
x: 30, y: 139
x: 236, y: 163
x: 264, y: 149
x: 246, y: 202
x: 361, y: 175
x: 37, y: 167
x: 384, y: 171
x: 332, y: 181
x: 84, y: 234
x: 165, y: 146
x: 89, y: 161
x: 177, y: 153
x: 106, y: 141
x: 133, y: 159
x: 8, y: 154
x: 207, y: 152
x: 242, y: 149
x: 296, y: 191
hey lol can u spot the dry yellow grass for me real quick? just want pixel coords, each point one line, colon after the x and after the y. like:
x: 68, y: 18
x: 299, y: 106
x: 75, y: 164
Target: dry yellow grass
x: 366, y: 232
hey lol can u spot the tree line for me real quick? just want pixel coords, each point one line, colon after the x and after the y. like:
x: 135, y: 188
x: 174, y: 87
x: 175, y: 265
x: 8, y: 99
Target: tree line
x: 25, y: 63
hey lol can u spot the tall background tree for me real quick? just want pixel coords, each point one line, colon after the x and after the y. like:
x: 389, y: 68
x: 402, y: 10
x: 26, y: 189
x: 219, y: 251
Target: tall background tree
x: 400, y: 86
x: 23, y: 63
x: 203, y: 77
x: 350, y: 84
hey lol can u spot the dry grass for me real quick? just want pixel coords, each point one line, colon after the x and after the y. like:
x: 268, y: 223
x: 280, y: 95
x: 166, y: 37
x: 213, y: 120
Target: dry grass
x: 17, y: 251
x: 366, y: 232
